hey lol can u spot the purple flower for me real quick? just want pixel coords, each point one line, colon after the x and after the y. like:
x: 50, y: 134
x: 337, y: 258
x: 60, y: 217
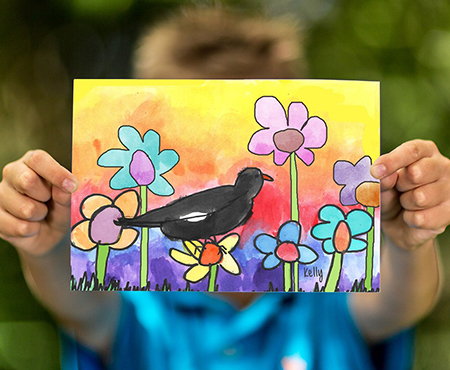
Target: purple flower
x: 283, y: 134
x: 352, y: 177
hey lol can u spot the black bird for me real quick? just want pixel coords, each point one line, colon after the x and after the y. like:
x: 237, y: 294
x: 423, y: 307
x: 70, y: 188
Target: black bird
x: 207, y: 213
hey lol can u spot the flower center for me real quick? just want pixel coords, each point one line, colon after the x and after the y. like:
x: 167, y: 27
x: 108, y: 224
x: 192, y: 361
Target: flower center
x: 211, y: 255
x: 287, y: 252
x: 288, y: 140
x: 141, y: 168
x: 102, y: 229
x: 342, y: 237
x: 368, y: 194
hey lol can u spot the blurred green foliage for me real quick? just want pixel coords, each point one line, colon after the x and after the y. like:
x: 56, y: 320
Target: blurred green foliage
x: 45, y: 44
x: 405, y: 44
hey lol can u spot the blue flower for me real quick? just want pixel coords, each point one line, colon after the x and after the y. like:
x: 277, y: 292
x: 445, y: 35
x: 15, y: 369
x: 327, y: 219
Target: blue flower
x: 285, y: 247
x: 141, y: 163
x: 339, y: 231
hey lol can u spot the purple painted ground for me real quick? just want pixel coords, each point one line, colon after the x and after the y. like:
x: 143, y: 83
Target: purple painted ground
x: 124, y: 266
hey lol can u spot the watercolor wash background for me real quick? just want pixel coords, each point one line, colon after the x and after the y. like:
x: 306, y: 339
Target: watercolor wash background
x: 209, y: 124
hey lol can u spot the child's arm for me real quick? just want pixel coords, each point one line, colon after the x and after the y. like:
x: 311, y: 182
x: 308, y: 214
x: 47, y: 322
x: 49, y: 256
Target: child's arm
x: 415, y: 208
x: 35, y: 218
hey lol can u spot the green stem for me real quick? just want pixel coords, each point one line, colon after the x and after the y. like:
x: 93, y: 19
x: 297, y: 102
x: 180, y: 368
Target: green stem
x: 369, y: 252
x: 144, y: 239
x: 102, y: 260
x: 334, y: 273
x: 294, y: 209
x: 294, y: 189
x: 287, y: 276
x: 212, y: 278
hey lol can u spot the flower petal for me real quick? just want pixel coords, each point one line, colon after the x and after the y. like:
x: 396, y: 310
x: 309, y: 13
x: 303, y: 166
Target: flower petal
x: 122, y: 180
x: 166, y: 160
x: 359, y: 221
x: 93, y: 202
x: 270, y: 261
x: 269, y: 113
x: 323, y: 231
x: 229, y: 242
x: 307, y: 255
x: 306, y: 155
x: 341, y: 172
x: 196, y: 273
x: 193, y: 247
x: 80, y: 236
x: 331, y: 213
x: 279, y: 157
x: 289, y: 232
x: 315, y: 133
x: 127, y: 239
x: 161, y: 187
x: 261, y: 142
x: 230, y: 265
x: 297, y: 115
x: 114, y: 158
x: 357, y: 245
x: 130, y: 137
x: 328, y: 246
x: 265, y: 243
x: 128, y: 202
x: 363, y: 167
x: 151, y: 144
x: 347, y: 196
x: 183, y: 258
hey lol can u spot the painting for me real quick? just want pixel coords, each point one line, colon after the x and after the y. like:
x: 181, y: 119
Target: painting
x: 225, y: 186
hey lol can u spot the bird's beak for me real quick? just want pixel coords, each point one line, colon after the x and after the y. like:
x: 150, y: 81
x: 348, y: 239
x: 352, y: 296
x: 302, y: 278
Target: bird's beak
x: 267, y: 177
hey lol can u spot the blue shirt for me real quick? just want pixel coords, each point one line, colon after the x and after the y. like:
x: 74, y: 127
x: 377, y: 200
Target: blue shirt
x: 186, y: 330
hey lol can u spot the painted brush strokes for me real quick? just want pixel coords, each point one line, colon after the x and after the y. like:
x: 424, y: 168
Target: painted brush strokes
x: 238, y: 186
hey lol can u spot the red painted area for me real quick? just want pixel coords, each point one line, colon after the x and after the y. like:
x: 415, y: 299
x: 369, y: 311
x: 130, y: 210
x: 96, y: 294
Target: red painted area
x: 287, y: 252
x: 211, y: 255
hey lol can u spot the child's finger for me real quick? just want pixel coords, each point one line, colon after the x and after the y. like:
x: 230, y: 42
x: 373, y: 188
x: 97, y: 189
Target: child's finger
x: 389, y: 182
x: 11, y: 226
x: 390, y: 205
x: 21, y: 206
x: 435, y: 218
x: 422, y: 172
x: 61, y: 197
x: 49, y: 169
x: 401, y: 157
x: 25, y: 181
x: 426, y: 196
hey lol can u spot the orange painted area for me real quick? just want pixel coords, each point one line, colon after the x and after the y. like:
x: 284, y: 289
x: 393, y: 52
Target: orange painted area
x: 368, y: 194
x: 342, y: 237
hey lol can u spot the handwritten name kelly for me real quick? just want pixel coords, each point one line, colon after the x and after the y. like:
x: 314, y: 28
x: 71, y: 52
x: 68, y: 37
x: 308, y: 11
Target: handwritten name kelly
x: 313, y: 272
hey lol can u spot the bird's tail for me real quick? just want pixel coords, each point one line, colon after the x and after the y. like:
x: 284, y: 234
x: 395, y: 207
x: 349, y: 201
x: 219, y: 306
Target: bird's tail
x: 137, y: 222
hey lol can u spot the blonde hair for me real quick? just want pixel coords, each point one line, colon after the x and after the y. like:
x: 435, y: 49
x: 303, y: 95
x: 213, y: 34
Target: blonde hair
x: 219, y: 43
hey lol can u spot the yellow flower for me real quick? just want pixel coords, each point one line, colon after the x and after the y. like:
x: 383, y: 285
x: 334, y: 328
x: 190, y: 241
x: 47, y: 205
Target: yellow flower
x: 202, y: 256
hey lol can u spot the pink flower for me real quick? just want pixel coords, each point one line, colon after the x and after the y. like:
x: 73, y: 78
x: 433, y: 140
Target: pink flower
x: 283, y: 134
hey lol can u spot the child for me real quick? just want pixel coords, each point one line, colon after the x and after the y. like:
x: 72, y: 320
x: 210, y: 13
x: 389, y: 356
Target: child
x: 242, y: 331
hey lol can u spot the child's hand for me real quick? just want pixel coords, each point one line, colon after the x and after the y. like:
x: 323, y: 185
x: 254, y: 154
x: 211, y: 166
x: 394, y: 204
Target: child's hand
x: 415, y: 193
x: 35, y: 202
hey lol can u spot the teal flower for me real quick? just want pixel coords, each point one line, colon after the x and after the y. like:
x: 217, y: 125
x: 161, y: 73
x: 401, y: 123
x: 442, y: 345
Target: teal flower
x: 142, y: 164
x: 340, y: 231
